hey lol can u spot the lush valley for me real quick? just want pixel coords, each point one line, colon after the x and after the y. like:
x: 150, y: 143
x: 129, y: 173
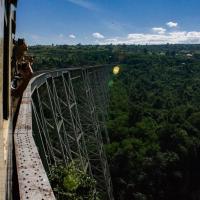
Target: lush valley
x: 154, y: 115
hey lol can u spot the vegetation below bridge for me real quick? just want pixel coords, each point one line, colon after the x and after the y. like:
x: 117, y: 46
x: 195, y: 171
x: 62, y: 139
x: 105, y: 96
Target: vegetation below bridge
x: 154, y: 115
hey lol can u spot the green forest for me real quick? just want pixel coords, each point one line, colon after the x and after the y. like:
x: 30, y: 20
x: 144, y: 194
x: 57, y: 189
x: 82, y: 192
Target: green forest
x: 154, y: 115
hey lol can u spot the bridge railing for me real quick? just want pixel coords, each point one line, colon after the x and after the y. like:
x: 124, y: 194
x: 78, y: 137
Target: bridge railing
x: 62, y: 118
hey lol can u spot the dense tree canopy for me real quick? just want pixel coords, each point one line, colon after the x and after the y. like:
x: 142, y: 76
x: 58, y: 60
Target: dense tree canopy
x: 154, y: 125
x: 154, y: 115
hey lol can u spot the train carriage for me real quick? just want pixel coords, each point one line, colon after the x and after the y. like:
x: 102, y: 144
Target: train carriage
x: 7, y: 31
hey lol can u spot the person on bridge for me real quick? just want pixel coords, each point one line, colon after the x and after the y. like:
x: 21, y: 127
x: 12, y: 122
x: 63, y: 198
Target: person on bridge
x: 22, y: 68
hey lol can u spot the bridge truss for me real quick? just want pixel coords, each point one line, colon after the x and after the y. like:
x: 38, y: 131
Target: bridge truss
x: 62, y: 118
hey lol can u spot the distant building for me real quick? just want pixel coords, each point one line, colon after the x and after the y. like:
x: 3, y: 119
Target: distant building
x: 189, y: 55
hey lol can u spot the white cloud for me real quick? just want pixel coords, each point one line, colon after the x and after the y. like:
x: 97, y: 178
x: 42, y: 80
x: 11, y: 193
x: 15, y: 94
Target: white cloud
x: 172, y: 24
x: 84, y: 4
x: 61, y: 35
x: 72, y: 36
x: 98, y: 36
x: 181, y: 37
x: 159, y: 30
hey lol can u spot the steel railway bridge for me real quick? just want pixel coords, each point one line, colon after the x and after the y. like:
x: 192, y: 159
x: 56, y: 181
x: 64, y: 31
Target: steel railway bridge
x: 62, y: 117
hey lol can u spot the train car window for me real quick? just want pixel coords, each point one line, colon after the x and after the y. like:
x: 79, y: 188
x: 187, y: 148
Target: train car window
x: 14, y: 22
x: 5, y: 15
x: 1, y: 54
x: 6, y: 63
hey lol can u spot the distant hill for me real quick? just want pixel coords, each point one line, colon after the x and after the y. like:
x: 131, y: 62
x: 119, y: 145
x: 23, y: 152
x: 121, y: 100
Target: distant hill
x: 62, y: 56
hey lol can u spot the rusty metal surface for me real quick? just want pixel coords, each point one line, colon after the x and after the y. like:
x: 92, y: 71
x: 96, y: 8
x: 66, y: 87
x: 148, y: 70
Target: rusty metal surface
x: 33, y: 181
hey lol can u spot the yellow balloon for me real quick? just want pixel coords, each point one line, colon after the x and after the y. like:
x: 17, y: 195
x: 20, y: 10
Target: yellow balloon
x: 116, y: 70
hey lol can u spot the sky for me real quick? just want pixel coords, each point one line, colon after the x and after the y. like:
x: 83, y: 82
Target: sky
x: 109, y: 21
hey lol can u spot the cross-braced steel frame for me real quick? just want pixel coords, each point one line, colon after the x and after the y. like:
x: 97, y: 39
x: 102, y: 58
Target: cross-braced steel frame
x: 69, y: 113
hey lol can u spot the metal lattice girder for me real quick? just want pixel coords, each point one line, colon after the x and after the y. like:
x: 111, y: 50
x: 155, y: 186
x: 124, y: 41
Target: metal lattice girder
x: 67, y: 120
x: 91, y: 126
x: 98, y: 79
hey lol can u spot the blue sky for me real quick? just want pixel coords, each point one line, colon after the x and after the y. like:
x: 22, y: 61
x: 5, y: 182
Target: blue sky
x: 109, y: 21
